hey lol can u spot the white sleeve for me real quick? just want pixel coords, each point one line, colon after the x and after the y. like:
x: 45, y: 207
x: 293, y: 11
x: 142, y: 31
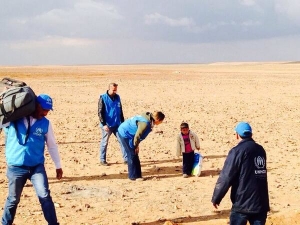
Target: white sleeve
x: 5, y: 125
x: 52, y: 147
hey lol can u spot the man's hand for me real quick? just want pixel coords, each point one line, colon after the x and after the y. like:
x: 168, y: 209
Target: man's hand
x: 215, y: 205
x: 137, y: 149
x: 59, y: 173
x: 106, y: 128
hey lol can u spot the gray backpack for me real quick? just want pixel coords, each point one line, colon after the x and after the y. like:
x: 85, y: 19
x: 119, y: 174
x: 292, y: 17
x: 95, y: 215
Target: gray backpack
x: 9, y: 82
x: 16, y: 101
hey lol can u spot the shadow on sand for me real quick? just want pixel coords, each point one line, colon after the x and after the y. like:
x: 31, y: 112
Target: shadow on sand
x: 219, y: 215
x: 148, y: 174
x: 214, y: 156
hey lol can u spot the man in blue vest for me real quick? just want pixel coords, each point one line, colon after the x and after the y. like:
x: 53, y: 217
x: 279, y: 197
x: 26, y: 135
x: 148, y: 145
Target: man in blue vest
x: 111, y: 116
x: 24, y: 151
x: 131, y: 133
x: 245, y: 171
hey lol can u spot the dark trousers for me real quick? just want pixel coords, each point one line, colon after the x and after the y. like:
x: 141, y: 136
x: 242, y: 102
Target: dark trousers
x: 133, y: 160
x: 187, y: 162
x: 242, y: 218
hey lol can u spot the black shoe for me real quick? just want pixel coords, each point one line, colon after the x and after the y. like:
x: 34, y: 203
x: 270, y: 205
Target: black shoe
x: 104, y: 163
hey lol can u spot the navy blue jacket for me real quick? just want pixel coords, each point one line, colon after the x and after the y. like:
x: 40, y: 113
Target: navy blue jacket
x: 245, y: 171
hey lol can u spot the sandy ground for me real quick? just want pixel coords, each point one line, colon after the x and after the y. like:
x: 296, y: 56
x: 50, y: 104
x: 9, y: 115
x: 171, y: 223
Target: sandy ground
x: 211, y: 98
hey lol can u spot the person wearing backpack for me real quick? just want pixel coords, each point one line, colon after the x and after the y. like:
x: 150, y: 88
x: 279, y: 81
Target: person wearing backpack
x: 24, y: 151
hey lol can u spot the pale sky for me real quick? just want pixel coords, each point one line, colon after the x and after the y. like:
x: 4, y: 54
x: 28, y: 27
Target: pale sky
x: 80, y: 32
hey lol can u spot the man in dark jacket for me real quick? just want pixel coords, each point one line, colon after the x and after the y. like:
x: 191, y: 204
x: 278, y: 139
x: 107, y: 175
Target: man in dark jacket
x: 245, y: 171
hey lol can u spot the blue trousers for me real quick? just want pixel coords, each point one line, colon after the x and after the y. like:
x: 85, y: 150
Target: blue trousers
x: 134, y: 164
x: 104, y: 142
x: 242, y: 218
x: 17, y: 177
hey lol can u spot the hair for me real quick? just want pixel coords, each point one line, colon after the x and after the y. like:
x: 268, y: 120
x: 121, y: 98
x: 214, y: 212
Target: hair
x: 184, y: 125
x: 246, y: 135
x: 157, y: 115
x: 112, y: 84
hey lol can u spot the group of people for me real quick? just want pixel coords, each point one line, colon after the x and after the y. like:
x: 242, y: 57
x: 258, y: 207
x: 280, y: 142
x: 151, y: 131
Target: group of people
x: 244, y: 170
x: 129, y: 132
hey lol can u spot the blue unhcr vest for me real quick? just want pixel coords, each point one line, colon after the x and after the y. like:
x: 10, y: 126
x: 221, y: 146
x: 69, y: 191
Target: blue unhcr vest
x: 112, y: 110
x: 20, y: 152
x: 129, y: 127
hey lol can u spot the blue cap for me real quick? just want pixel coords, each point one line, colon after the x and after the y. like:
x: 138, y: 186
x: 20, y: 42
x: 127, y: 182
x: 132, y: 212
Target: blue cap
x: 243, y: 129
x: 45, y: 101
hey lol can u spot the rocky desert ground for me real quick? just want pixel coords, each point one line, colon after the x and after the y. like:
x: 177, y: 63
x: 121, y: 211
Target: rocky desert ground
x: 212, y: 98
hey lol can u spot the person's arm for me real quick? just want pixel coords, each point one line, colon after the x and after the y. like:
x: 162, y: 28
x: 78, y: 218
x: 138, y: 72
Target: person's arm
x: 178, y: 146
x: 226, y: 178
x: 122, y: 115
x: 197, y: 142
x: 5, y: 130
x: 4, y: 125
x: 101, y: 111
x: 53, y: 151
x: 142, y: 126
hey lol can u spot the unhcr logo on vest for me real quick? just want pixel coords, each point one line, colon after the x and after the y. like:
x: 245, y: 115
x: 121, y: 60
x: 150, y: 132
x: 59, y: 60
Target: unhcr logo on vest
x: 38, y: 131
x: 49, y: 101
x: 260, y: 164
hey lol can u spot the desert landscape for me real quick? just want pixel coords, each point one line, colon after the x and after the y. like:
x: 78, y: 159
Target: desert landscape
x: 212, y: 98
